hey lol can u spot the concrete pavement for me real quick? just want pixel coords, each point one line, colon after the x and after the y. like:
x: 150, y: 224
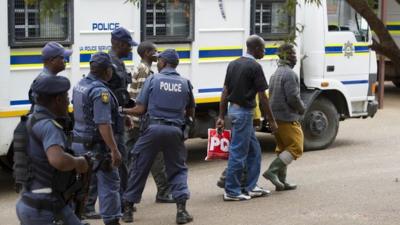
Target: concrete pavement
x: 355, y: 181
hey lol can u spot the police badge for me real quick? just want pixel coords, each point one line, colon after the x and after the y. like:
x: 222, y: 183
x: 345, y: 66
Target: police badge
x: 105, y: 97
x: 348, y: 49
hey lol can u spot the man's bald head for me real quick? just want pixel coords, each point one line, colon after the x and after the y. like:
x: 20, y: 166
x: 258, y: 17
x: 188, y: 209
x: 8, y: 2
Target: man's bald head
x: 256, y: 46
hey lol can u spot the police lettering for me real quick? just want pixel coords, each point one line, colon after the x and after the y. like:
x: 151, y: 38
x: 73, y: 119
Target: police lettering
x: 105, y: 26
x: 172, y: 87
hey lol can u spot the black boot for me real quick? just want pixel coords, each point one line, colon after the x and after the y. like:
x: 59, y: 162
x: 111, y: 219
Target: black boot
x: 113, y: 222
x: 221, y: 181
x: 127, y: 216
x: 243, y: 180
x: 282, y: 177
x: 165, y: 198
x: 272, y: 173
x: 182, y: 216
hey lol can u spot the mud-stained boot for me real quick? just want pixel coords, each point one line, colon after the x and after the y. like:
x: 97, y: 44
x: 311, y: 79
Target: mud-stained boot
x: 182, y: 216
x: 221, y: 181
x: 113, y: 222
x: 282, y: 177
x: 243, y: 180
x: 127, y: 216
x: 272, y: 173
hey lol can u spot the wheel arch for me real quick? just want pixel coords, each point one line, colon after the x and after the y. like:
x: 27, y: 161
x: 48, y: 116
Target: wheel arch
x: 338, y: 100
x: 335, y: 96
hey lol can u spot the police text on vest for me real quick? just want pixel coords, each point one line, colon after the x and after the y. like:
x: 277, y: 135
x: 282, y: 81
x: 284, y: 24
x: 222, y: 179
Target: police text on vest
x: 172, y: 87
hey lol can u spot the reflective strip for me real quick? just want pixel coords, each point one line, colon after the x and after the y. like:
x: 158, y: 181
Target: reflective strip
x: 13, y: 113
x: 207, y: 100
x: 42, y: 191
x: 208, y: 90
x: 360, y: 48
x: 393, y: 27
x: 350, y: 82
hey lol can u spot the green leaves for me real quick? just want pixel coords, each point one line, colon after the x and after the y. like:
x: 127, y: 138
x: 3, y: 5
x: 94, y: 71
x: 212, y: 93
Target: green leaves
x: 48, y: 7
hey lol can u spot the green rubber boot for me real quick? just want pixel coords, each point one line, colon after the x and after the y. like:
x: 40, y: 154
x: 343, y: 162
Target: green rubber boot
x: 282, y: 177
x: 272, y: 173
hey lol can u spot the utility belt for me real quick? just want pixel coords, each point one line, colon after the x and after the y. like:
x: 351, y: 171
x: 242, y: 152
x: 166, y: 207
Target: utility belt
x: 101, y: 155
x: 42, y: 204
x: 88, y: 142
x: 164, y: 122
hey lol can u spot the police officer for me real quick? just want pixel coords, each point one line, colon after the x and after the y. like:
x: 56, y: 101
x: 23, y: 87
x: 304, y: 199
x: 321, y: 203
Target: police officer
x: 166, y: 98
x: 51, y: 165
x: 148, y: 54
x: 53, y: 56
x: 96, y: 117
x: 121, y: 47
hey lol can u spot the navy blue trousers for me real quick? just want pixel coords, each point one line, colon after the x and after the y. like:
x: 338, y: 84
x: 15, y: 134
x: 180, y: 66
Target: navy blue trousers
x: 156, y: 138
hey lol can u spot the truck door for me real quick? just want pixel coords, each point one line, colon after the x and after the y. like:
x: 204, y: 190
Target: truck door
x: 347, y: 55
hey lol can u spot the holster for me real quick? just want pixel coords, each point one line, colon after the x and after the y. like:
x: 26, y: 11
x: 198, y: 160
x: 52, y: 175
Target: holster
x: 88, y: 142
x: 103, y: 162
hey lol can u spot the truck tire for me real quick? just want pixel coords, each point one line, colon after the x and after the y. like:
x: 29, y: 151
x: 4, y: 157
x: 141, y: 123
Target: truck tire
x: 396, y: 83
x: 320, y: 124
x: 6, y: 162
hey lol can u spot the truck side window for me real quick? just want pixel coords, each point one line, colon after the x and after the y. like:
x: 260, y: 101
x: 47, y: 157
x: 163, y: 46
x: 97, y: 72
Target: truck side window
x: 167, y: 21
x: 270, y: 20
x: 29, y: 26
x: 341, y: 17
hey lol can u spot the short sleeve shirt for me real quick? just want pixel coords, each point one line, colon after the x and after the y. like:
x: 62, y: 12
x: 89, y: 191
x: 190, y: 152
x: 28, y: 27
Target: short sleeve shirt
x: 102, y: 104
x: 144, y: 94
x: 50, y: 133
x: 244, y: 78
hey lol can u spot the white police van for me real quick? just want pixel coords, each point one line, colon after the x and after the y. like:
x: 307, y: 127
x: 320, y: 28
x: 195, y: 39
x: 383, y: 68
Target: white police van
x: 392, y: 10
x: 337, y: 69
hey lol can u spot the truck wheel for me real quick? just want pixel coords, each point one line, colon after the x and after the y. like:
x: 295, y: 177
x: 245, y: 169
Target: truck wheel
x: 6, y: 162
x: 396, y: 83
x: 320, y: 125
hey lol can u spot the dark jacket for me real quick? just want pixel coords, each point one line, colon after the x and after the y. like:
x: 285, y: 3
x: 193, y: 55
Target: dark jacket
x: 284, y: 94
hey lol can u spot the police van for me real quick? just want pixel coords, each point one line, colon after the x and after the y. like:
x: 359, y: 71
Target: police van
x: 336, y: 67
x: 392, y: 11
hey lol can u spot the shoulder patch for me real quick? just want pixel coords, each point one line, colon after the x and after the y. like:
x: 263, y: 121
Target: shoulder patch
x: 105, y: 97
x: 57, y: 124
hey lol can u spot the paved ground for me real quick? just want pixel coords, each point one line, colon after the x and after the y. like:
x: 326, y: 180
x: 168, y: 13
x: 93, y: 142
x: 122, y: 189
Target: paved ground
x: 356, y: 181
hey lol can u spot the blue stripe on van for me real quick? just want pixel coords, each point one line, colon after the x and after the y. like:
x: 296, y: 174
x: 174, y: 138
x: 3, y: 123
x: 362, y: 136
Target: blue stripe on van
x: 361, y: 48
x: 350, y: 82
x: 20, y: 102
x: 220, y: 53
x: 208, y: 90
x: 393, y: 27
x: 333, y: 49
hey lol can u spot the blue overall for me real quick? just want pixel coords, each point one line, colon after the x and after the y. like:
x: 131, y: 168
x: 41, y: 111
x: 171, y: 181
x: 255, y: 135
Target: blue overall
x: 49, y: 133
x: 94, y: 104
x: 166, y: 96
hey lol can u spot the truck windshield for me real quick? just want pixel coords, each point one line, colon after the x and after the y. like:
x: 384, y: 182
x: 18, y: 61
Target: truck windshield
x: 341, y: 17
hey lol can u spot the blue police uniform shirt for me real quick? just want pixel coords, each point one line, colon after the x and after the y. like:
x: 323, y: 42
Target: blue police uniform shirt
x: 50, y: 133
x: 94, y: 104
x: 166, y: 96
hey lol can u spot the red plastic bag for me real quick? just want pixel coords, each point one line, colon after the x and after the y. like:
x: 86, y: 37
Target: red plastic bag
x: 218, y: 144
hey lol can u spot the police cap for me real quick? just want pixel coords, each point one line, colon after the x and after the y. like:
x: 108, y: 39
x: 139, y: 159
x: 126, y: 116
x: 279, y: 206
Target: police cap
x: 170, y: 56
x: 101, y: 59
x: 122, y: 34
x: 51, y: 85
x: 54, y: 49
